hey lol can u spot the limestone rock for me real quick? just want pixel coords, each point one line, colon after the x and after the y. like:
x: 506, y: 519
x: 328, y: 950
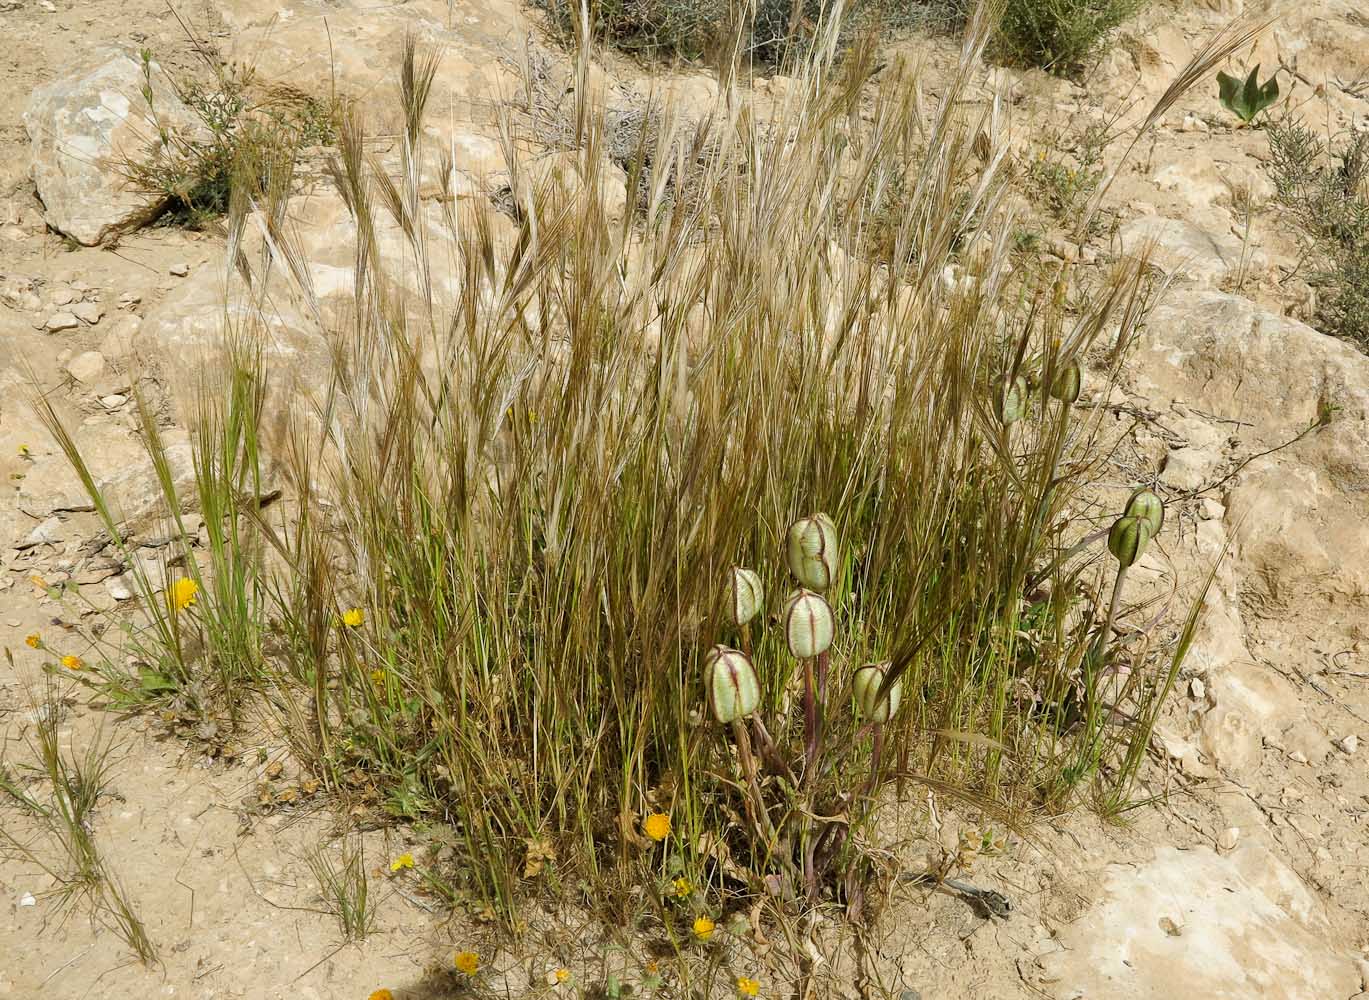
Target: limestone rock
x: 1187, y: 251
x: 1201, y: 924
x: 86, y: 366
x: 79, y: 127
x: 184, y: 337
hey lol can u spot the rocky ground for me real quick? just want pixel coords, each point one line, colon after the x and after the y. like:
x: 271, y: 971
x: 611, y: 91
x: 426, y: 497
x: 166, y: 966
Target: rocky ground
x: 1248, y: 878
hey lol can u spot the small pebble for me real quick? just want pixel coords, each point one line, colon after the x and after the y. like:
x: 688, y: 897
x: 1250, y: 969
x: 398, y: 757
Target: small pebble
x: 63, y: 296
x: 1229, y: 838
x: 180, y: 270
x: 27, y: 900
x: 1348, y: 744
x: 1196, y: 688
x: 113, y: 401
x: 1298, y: 757
x: 62, y: 321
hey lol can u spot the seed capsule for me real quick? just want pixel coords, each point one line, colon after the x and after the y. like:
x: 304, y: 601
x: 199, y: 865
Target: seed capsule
x: 811, y: 551
x: 1128, y: 539
x: 748, y: 596
x: 1146, y: 504
x: 865, y: 686
x: 1069, y: 381
x: 808, y: 624
x: 1010, y: 400
x: 730, y: 682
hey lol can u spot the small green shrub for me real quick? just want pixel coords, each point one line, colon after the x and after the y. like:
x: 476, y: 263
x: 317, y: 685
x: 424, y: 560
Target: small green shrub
x: 240, y: 140
x: 1323, y: 186
x: 1059, y: 35
x: 772, y: 33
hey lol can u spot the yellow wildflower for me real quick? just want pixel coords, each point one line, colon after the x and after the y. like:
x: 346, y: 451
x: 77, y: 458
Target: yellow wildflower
x: 561, y: 976
x: 405, y: 860
x: 34, y: 641
x: 73, y: 662
x: 23, y: 451
x: 680, y: 888
x: 703, y: 928
x: 353, y: 617
x: 748, y: 987
x: 377, y: 677
x: 657, y: 826
x: 467, y: 962
x: 381, y: 994
x: 183, y: 593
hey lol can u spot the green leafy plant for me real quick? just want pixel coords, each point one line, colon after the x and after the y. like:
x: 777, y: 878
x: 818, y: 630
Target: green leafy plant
x: 1247, y: 98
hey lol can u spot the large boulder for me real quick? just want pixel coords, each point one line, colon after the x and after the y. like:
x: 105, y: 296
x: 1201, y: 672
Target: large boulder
x: 1298, y: 513
x: 190, y: 338
x: 81, y: 127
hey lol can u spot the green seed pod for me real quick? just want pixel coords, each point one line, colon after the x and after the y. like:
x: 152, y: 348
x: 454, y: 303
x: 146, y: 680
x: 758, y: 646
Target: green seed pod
x: 811, y: 551
x: 1146, y: 504
x: 808, y: 624
x: 1010, y: 400
x: 748, y: 596
x: 1128, y: 539
x: 1068, y: 383
x: 730, y: 681
x: 865, y: 686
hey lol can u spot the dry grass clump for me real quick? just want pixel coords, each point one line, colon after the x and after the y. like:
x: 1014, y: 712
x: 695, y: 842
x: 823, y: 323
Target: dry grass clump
x: 487, y: 600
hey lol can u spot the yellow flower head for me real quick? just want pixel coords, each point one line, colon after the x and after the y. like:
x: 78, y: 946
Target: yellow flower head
x: 183, y: 593
x: 680, y: 888
x: 467, y: 962
x: 748, y: 987
x: 657, y: 826
x: 353, y: 617
x: 405, y: 860
x: 381, y: 994
x: 377, y: 677
x: 73, y: 662
x: 34, y: 641
x: 561, y: 976
x: 703, y: 928
x: 24, y: 450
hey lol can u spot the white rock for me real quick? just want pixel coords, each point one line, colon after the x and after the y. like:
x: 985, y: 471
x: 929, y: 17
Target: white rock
x: 47, y: 533
x: 119, y: 588
x: 1196, y: 688
x: 113, y: 401
x: 63, y: 296
x: 27, y: 899
x: 88, y: 312
x: 119, y: 341
x: 62, y: 321
x: 1186, y: 251
x: 1348, y: 744
x: 79, y: 127
x: 179, y: 270
x: 86, y: 366
x: 1229, y: 838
